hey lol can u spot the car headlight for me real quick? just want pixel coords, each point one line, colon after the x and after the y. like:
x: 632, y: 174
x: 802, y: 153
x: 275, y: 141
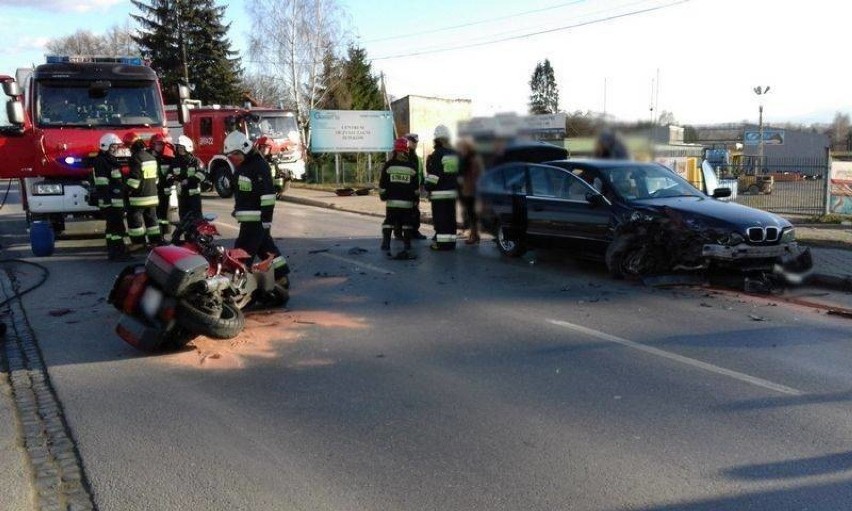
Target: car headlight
x: 731, y: 240
x: 47, y: 189
x: 789, y: 236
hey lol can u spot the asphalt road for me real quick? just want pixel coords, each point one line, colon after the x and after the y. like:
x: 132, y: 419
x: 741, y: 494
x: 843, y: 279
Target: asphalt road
x: 456, y: 381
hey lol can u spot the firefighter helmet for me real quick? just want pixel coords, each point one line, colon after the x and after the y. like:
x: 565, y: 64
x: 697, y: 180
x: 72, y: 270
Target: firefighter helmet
x: 130, y: 138
x: 237, y: 141
x: 186, y: 143
x: 400, y: 145
x: 442, y: 132
x: 108, y: 140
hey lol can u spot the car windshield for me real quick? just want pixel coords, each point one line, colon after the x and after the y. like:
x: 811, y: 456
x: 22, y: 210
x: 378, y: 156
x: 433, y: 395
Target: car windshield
x: 643, y: 182
x: 78, y: 103
x: 277, y: 126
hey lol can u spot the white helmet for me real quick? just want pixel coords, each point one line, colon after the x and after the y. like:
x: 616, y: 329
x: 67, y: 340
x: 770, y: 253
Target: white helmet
x: 237, y: 141
x: 186, y: 142
x: 108, y: 140
x: 442, y: 131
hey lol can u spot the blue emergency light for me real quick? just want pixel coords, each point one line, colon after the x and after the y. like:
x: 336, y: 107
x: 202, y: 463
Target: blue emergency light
x: 77, y: 59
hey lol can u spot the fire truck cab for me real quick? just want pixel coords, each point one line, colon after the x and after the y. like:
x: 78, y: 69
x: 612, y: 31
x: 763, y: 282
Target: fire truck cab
x: 56, y: 114
x: 209, y: 125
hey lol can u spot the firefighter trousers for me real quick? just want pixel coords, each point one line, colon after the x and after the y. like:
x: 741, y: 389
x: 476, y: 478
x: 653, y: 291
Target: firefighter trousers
x: 142, y: 225
x: 163, y: 197
x: 257, y: 241
x: 115, y: 231
x: 400, y: 220
x: 444, y: 218
x: 189, y: 203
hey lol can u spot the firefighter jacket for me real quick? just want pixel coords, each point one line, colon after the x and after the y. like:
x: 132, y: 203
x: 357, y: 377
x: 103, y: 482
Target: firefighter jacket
x: 189, y: 171
x: 109, y: 185
x: 165, y: 174
x: 398, y: 185
x: 254, y: 194
x: 442, y: 168
x: 142, y: 180
x: 412, y: 155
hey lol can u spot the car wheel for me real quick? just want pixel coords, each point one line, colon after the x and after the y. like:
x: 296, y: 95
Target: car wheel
x: 754, y: 189
x: 625, y: 258
x: 509, y: 245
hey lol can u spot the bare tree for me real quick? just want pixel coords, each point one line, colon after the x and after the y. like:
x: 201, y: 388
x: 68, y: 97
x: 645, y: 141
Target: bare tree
x: 289, y: 41
x: 667, y: 118
x: 117, y: 41
x: 267, y: 90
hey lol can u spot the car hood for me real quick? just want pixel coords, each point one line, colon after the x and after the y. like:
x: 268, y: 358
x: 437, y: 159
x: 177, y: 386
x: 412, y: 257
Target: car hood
x: 715, y: 213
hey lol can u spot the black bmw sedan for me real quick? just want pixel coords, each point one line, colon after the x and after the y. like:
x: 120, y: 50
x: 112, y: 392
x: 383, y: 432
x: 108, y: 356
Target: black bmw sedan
x: 641, y: 218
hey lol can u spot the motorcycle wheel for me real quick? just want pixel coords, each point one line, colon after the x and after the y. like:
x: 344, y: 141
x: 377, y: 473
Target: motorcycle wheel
x: 226, y: 325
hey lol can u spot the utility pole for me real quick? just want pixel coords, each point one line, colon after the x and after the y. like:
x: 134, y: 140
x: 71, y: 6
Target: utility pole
x: 182, y: 42
x: 760, y: 91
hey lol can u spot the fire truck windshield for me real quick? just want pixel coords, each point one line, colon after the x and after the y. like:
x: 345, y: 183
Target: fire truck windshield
x: 278, y: 126
x: 90, y: 104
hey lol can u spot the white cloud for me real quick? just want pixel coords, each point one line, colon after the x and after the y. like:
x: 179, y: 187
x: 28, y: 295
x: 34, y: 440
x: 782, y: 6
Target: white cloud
x: 63, y: 5
x: 24, y: 45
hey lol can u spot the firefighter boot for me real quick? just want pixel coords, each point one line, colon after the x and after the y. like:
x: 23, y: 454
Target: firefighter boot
x: 386, y: 239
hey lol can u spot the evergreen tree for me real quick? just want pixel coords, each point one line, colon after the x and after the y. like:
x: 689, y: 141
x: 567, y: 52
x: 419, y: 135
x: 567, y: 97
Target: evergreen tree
x: 183, y: 37
x: 349, y: 83
x: 544, y: 98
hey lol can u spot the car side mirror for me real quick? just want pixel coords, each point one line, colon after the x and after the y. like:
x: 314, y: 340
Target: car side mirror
x: 721, y: 193
x: 15, y: 112
x: 183, y: 92
x: 596, y: 200
x: 11, y: 88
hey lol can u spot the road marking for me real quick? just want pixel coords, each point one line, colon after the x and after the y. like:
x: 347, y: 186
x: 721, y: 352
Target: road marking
x: 357, y: 263
x: 759, y: 382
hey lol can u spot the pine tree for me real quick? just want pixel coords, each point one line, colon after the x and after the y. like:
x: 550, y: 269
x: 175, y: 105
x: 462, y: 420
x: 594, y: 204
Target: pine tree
x: 170, y: 29
x: 544, y: 98
x: 350, y: 83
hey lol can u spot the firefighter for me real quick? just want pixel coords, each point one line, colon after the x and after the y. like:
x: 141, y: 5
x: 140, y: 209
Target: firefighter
x: 442, y: 169
x: 142, y: 200
x: 162, y: 149
x: 189, y: 172
x: 254, y: 203
x: 398, y: 187
x: 413, y: 140
x: 109, y: 188
x: 279, y: 176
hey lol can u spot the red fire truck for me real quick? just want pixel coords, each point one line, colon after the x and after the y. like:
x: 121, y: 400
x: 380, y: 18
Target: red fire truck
x: 55, y: 117
x: 209, y: 125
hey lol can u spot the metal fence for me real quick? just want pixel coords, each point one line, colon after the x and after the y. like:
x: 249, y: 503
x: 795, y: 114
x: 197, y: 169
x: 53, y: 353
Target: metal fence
x: 795, y: 186
x: 351, y: 170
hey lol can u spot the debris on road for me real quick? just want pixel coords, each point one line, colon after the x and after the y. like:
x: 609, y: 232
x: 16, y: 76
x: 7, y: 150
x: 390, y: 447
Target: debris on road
x: 357, y: 251
x: 60, y: 312
x: 755, y: 317
x: 672, y: 280
x: 318, y: 251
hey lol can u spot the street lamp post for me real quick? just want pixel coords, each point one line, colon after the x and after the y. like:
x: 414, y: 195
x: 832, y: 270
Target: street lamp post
x: 761, y: 91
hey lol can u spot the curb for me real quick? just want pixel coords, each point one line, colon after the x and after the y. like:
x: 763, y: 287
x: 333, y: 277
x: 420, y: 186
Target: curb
x: 834, y: 282
x: 325, y: 205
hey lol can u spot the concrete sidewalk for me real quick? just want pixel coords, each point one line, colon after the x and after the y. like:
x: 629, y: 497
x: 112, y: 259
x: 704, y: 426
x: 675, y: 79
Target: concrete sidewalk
x: 832, y: 266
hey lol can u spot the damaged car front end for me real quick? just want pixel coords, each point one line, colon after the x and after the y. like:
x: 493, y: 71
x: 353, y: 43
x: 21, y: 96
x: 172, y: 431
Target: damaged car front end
x: 665, y: 239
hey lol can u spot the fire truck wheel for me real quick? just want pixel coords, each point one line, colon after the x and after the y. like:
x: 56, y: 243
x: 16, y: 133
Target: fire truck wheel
x: 226, y: 325
x: 222, y: 180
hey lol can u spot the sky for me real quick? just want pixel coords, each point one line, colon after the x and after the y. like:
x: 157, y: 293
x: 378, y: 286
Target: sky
x: 708, y: 54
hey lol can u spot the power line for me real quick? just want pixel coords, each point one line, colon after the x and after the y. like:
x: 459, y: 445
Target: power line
x: 474, y: 23
x: 532, y: 34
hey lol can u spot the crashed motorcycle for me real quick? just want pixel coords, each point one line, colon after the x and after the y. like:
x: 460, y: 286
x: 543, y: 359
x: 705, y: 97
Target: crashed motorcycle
x: 192, y: 287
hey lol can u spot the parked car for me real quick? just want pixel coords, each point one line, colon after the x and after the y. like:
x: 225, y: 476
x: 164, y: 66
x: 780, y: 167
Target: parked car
x: 641, y: 218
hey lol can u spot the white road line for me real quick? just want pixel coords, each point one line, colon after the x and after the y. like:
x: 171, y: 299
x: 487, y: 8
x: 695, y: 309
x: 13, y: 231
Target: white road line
x: 759, y: 382
x: 357, y: 263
